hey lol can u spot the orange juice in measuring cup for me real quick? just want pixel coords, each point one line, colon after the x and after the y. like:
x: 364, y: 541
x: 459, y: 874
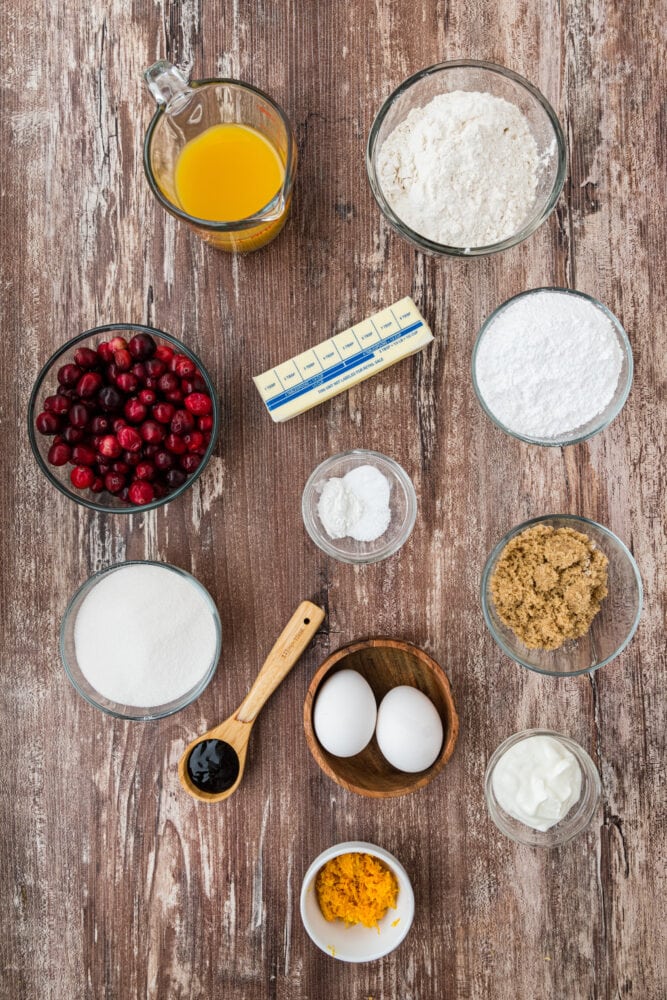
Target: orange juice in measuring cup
x: 220, y: 155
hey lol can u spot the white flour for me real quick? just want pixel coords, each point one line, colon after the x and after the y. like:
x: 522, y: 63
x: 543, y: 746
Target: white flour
x: 356, y: 506
x: 461, y: 171
x: 548, y: 363
x: 144, y: 636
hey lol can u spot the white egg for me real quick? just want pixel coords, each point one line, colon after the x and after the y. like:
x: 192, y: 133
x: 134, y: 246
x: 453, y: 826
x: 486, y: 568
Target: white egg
x: 345, y: 713
x: 409, y: 729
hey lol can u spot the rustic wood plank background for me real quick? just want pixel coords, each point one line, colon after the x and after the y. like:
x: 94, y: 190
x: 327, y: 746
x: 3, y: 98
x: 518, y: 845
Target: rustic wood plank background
x: 114, y: 884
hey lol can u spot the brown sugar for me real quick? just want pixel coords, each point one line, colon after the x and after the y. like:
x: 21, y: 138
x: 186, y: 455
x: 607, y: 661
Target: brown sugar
x: 548, y: 584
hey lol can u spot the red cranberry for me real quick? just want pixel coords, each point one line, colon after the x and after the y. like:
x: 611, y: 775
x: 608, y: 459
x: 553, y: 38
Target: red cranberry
x: 127, y: 382
x: 175, y: 444
x: 182, y: 422
x: 175, y: 478
x: 205, y: 423
x: 78, y: 415
x: 82, y: 454
x: 163, y: 461
x: 110, y: 446
x: 100, y: 425
x: 122, y: 360
x: 109, y: 399
x: 118, y: 344
x: 190, y: 462
x: 163, y: 412
x: 89, y: 384
x: 122, y: 468
x: 182, y: 366
x: 145, y: 470
x: 155, y: 367
x: 85, y: 358
x: 168, y: 382
x: 147, y: 397
x: 69, y: 375
x: 199, y: 403
x: 164, y: 352
x: 149, y: 450
x: 141, y: 346
x: 131, y: 458
x: 74, y: 434
x: 67, y: 393
x: 59, y: 454
x: 105, y: 352
x: 97, y: 485
x: 103, y: 467
x: 174, y: 397
x: 195, y: 441
x: 151, y: 382
x: 117, y: 424
x: 129, y: 439
x: 114, y: 482
x: 198, y: 384
x: 57, y: 404
x: 135, y: 411
x: 82, y: 477
x: 141, y: 493
x: 160, y: 490
x: 139, y: 369
x: 47, y: 422
x: 152, y: 432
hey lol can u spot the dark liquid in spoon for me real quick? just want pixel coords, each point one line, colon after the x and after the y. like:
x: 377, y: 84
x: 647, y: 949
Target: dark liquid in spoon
x: 213, y: 766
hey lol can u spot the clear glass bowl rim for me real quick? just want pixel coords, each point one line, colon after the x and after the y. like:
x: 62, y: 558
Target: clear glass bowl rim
x: 590, y: 773
x: 564, y: 440
x: 238, y: 224
x: 70, y: 345
x: 388, y: 549
x: 159, y: 711
x: 583, y: 522
x: 423, y: 242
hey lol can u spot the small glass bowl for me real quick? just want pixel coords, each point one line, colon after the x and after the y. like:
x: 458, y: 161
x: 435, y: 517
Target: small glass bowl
x: 357, y: 943
x: 597, y: 423
x: 472, y: 75
x: 47, y: 384
x: 85, y: 688
x: 612, y: 628
x: 402, y: 504
x: 576, y: 820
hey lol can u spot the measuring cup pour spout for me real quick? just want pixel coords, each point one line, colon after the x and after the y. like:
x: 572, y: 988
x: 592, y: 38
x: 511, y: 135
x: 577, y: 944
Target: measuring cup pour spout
x: 168, y: 86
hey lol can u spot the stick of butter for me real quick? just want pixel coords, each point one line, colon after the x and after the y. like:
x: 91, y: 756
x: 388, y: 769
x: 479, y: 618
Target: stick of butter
x: 341, y: 362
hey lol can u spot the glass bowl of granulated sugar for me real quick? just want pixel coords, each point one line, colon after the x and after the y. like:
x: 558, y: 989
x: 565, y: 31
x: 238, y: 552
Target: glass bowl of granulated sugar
x: 140, y: 640
x: 552, y: 367
x: 359, y: 506
x: 466, y: 158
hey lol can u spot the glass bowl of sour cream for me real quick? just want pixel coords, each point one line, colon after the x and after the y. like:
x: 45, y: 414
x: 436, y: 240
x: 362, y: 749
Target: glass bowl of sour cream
x: 541, y: 788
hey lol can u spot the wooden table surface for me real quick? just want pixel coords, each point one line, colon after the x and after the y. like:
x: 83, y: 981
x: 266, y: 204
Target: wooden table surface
x: 114, y: 883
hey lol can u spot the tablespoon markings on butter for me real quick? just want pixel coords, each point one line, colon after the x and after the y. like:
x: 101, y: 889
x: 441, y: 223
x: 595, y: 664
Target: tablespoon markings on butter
x: 223, y: 749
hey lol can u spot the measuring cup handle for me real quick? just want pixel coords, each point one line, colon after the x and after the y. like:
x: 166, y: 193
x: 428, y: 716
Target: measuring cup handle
x: 289, y: 646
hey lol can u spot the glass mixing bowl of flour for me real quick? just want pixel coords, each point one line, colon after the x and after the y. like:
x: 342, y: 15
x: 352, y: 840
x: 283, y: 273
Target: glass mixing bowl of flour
x: 359, y: 506
x: 466, y: 158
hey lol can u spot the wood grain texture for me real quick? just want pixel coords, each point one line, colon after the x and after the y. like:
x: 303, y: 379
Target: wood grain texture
x: 116, y: 884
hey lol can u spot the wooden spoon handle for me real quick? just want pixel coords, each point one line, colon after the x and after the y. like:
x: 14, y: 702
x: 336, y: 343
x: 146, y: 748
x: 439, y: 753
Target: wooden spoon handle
x: 289, y: 646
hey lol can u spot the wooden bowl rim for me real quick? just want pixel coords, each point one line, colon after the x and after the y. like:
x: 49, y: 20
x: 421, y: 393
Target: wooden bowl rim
x: 451, y: 728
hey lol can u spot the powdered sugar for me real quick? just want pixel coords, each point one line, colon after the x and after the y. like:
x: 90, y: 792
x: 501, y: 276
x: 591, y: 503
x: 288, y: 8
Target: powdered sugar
x: 548, y: 363
x: 356, y: 505
x: 144, y: 636
x: 463, y: 170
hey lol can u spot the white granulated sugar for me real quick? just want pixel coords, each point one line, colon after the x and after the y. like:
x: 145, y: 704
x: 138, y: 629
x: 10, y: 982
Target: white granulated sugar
x: 356, y: 505
x: 548, y: 364
x: 144, y: 636
x: 463, y: 170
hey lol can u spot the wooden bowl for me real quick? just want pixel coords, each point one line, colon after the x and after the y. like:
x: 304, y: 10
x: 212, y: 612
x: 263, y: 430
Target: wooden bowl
x: 385, y: 663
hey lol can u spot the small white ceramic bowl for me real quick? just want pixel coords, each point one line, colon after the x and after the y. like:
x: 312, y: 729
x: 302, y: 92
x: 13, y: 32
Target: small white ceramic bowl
x: 357, y: 943
x: 402, y: 504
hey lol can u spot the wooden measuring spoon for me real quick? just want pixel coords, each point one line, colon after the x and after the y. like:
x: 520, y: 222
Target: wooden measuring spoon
x: 225, y: 746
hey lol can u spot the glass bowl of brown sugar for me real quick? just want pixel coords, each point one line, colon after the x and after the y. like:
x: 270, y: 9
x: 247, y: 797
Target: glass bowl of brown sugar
x: 561, y: 595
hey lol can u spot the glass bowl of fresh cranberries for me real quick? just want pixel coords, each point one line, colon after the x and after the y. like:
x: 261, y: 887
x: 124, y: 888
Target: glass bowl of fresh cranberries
x: 123, y: 417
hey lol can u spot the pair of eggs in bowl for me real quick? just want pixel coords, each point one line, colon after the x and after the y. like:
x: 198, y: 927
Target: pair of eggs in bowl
x: 406, y: 724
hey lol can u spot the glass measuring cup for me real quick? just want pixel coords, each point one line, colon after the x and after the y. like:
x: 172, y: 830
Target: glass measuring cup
x: 185, y: 111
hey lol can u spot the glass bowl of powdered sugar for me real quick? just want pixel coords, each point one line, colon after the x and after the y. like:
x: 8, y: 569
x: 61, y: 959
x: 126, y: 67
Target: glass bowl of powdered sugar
x: 359, y: 506
x: 466, y: 158
x: 552, y: 367
x: 140, y: 640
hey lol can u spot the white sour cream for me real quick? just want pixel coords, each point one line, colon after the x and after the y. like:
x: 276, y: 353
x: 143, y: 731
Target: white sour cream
x: 537, y: 781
